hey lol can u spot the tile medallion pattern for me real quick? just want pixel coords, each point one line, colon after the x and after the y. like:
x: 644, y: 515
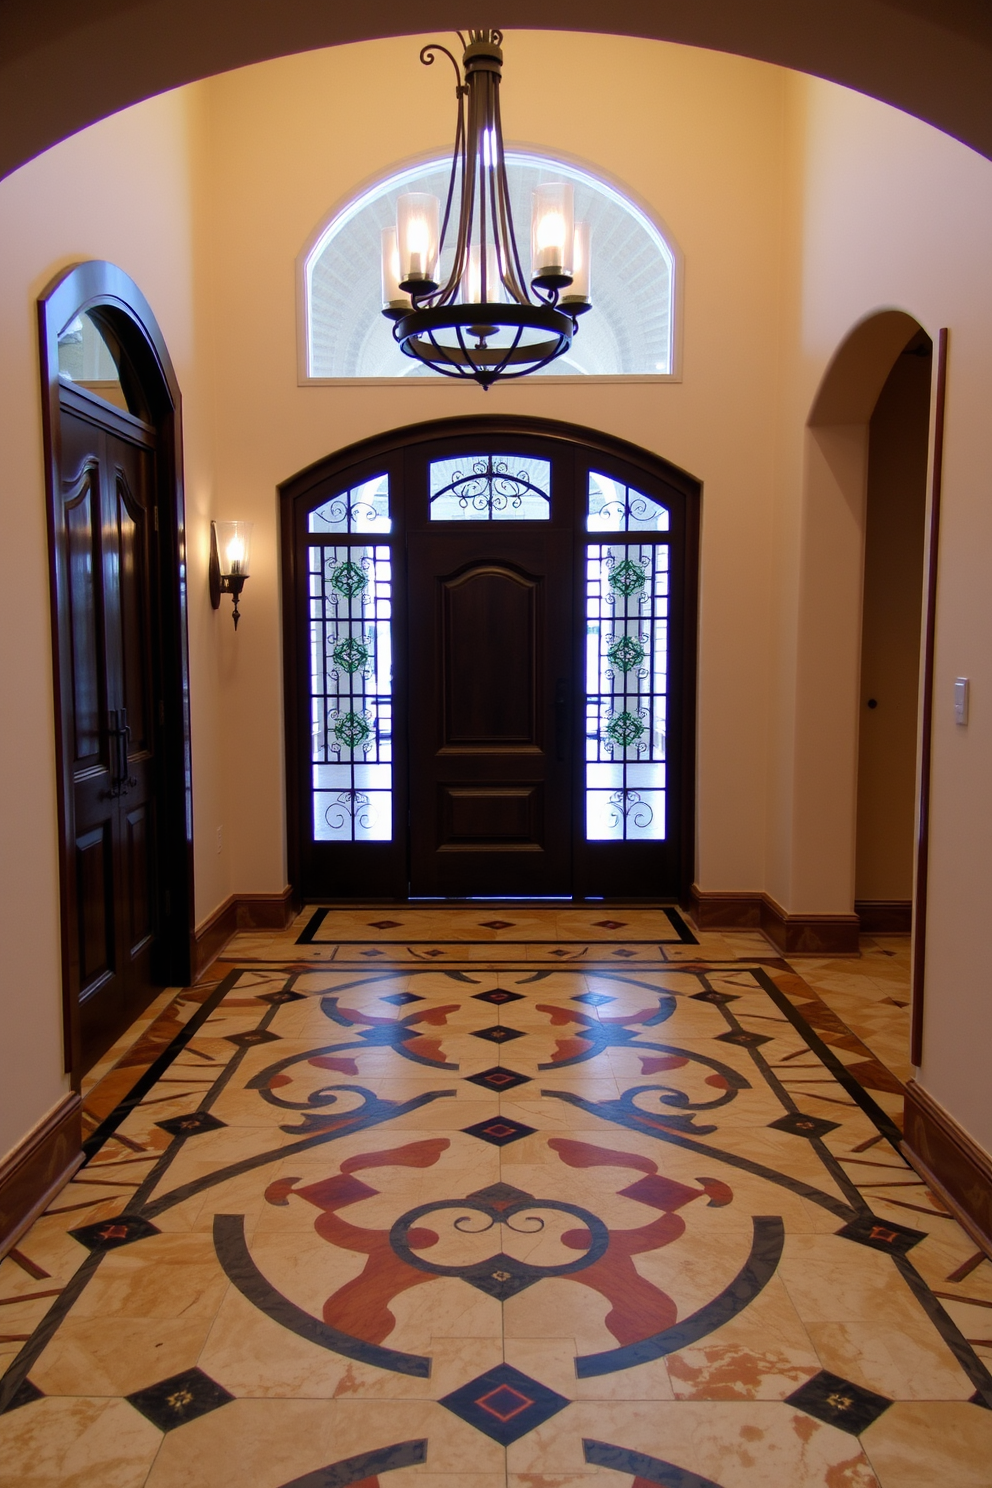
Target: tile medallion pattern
x: 328, y: 1235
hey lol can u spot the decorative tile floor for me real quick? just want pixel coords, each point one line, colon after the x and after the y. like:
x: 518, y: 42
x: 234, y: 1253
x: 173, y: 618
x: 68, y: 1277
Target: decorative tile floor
x: 542, y: 1198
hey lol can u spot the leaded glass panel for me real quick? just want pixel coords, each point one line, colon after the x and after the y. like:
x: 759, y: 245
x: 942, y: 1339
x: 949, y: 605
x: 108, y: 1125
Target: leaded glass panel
x: 616, y: 507
x: 363, y: 508
x: 490, y: 488
x: 351, y: 693
x: 626, y: 690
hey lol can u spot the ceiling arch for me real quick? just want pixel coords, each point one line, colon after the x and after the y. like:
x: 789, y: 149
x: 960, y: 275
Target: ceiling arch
x: 66, y: 63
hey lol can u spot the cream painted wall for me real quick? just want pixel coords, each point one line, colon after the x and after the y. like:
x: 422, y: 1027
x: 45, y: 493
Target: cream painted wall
x: 118, y: 191
x: 289, y: 139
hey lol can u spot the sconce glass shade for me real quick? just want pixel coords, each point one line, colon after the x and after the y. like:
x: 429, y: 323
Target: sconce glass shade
x: 394, y: 302
x: 417, y: 233
x: 552, y: 234
x: 234, y: 548
x: 578, y: 296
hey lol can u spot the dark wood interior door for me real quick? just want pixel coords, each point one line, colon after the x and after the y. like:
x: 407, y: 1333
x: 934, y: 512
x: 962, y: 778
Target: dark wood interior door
x: 106, y: 567
x: 491, y: 648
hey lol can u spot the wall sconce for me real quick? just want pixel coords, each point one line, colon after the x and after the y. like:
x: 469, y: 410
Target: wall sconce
x: 230, y: 552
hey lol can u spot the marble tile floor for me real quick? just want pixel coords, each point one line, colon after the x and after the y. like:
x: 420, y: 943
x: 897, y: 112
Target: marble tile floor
x: 497, y: 1218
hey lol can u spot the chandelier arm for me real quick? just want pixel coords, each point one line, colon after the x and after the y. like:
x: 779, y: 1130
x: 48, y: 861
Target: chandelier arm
x: 504, y: 192
x: 428, y: 53
x: 480, y: 165
x: 458, y: 156
x: 499, y: 369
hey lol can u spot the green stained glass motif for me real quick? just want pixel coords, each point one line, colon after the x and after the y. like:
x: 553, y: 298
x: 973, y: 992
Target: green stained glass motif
x: 626, y: 653
x: 351, y: 730
x: 623, y: 729
x: 627, y: 577
x: 351, y: 653
x: 348, y: 579
x: 626, y: 683
x: 351, y: 691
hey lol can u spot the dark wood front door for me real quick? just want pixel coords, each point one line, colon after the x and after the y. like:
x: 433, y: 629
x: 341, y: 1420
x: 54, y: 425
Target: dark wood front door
x: 107, y: 532
x: 490, y: 638
x: 491, y: 656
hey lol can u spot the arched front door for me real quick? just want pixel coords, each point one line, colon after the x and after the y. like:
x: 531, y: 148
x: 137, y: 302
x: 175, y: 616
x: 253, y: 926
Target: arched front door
x: 490, y: 630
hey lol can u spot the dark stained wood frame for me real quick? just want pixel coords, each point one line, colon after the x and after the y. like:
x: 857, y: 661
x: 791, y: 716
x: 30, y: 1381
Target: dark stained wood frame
x: 591, y: 440
x: 926, y: 722
x: 116, y: 304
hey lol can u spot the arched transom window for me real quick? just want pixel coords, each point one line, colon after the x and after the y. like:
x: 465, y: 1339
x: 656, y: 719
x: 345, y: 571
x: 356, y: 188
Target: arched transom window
x: 630, y: 330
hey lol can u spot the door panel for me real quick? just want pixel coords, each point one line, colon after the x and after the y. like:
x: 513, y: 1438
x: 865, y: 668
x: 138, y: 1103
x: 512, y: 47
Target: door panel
x: 490, y: 638
x: 490, y: 614
x: 106, y: 535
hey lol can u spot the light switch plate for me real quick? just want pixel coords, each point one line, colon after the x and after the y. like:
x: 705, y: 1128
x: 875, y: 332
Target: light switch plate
x: 961, y: 700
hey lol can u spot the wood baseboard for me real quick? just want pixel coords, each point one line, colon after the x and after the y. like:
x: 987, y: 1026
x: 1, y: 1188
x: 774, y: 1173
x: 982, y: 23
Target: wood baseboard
x: 884, y: 916
x: 38, y: 1167
x: 791, y: 934
x: 240, y: 912
x: 950, y: 1161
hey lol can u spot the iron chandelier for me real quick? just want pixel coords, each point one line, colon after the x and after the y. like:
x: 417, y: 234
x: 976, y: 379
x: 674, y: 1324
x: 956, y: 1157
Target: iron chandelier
x: 485, y: 321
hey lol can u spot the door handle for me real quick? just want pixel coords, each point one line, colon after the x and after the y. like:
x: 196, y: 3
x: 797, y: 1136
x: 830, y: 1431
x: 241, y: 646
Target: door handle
x: 561, y: 718
x: 120, y: 733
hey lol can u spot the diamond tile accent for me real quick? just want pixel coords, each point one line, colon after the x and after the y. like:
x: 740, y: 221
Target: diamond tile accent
x: 253, y: 1036
x: 497, y: 924
x: 742, y: 1037
x: 622, y: 952
x: 499, y: 1130
x: 610, y: 924
x: 385, y: 924
x: 559, y: 952
x: 498, y: 996
x: 593, y: 999
x: 498, y: 1079
x: 838, y: 1402
x: 180, y: 1398
x: 276, y: 998
x: 399, y: 999
x: 372, y: 953
x: 882, y: 1234
x: 497, y: 1034
x: 109, y: 1234
x: 802, y: 1125
x: 26, y: 1393
x: 504, y: 1403
x: 191, y: 1125
x: 717, y: 997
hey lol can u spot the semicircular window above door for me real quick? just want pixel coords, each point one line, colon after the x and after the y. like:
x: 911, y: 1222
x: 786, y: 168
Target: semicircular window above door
x: 490, y: 640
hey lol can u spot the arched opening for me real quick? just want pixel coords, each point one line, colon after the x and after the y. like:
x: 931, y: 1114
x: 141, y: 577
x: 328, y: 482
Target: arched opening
x: 866, y: 440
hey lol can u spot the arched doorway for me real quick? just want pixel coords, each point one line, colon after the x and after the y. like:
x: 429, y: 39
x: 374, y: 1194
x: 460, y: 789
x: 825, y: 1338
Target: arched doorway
x: 490, y: 634
x: 117, y: 560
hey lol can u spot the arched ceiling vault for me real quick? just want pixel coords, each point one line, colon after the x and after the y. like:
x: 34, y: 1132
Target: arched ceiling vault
x: 66, y: 63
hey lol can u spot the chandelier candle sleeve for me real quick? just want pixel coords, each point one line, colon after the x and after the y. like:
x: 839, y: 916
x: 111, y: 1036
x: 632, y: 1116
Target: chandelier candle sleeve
x: 394, y: 302
x: 577, y: 297
x: 552, y: 234
x: 417, y: 214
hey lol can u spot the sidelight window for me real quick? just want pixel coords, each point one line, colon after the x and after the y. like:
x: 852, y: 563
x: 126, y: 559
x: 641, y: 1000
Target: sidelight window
x: 490, y: 488
x: 351, y: 676
x: 627, y: 592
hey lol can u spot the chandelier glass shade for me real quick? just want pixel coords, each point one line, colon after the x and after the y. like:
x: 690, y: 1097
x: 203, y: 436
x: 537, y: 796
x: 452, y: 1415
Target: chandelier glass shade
x: 453, y: 282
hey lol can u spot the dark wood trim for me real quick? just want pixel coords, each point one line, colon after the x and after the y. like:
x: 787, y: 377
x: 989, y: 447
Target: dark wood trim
x: 307, y: 482
x: 118, y: 307
x: 884, y: 916
x: 240, y: 912
x: 926, y: 722
x: 954, y: 1165
x: 40, y: 1164
x: 791, y: 934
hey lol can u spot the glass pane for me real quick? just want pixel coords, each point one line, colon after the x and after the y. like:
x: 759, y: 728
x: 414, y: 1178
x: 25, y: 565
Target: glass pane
x: 363, y: 508
x: 614, y: 507
x: 626, y: 690
x: 86, y: 359
x: 491, y: 488
x: 351, y: 693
